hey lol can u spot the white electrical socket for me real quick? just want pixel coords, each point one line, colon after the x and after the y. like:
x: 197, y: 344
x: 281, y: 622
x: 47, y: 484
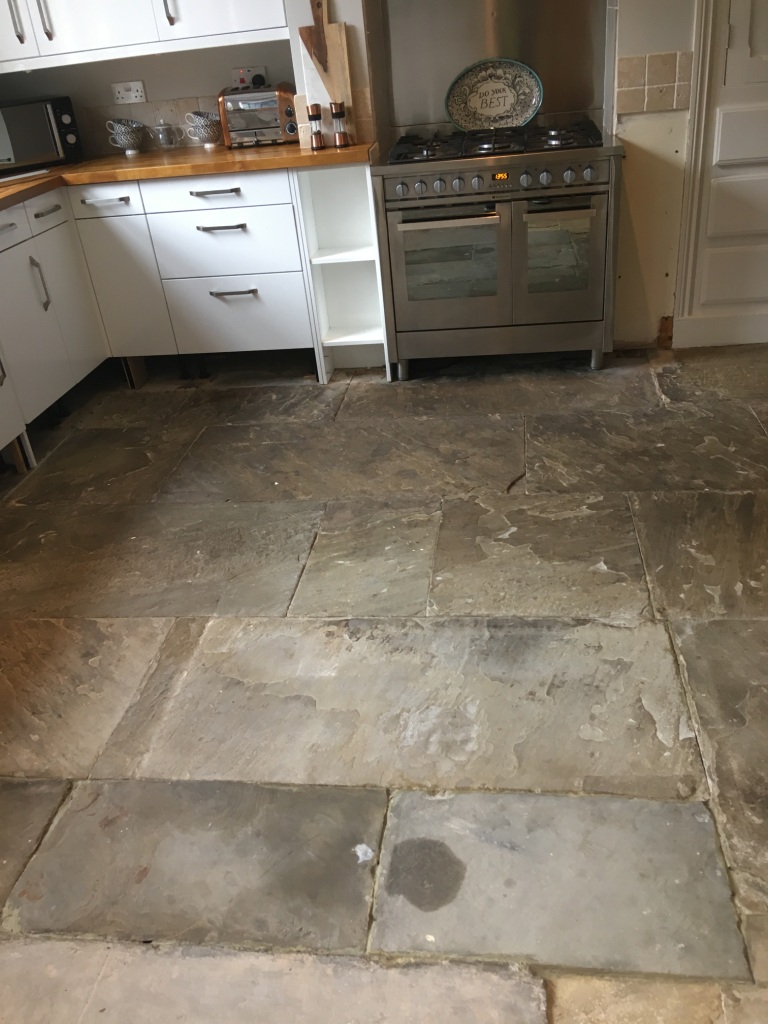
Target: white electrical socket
x: 128, y: 92
x: 244, y: 75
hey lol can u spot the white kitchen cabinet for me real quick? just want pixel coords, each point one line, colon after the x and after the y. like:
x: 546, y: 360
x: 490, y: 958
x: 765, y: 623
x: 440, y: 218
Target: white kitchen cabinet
x: 184, y: 19
x: 14, y: 226
x: 46, y: 211
x: 114, y: 199
x: 69, y: 26
x: 17, y: 38
x: 216, y: 191
x: 11, y: 416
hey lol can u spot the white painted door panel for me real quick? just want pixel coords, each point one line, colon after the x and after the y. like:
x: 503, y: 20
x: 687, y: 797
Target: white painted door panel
x: 183, y: 19
x: 216, y: 191
x: 739, y: 206
x: 68, y: 26
x: 741, y: 136
x: 252, y: 240
x: 748, y: 50
x: 124, y: 272
x: 269, y: 313
x: 11, y: 418
x: 735, y: 275
x: 17, y: 39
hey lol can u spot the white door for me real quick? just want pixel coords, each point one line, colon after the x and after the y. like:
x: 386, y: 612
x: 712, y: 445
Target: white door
x: 37, y: 361
x: 180, y: 19
x: 723, y: 293
x: 11, y: 419
x: 17, y: 39
x: 74, y: 303
x: 67, y: 26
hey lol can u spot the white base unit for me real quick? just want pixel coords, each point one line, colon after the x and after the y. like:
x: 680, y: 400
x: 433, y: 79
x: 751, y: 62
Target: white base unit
x: 11, y: 416
x: 239, y: 314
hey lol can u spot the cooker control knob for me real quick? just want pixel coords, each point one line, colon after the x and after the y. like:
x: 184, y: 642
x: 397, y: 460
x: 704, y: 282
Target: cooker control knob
x: 590, y: 174
x: 545, y: 177
x: 477, y: 182
x: 569, y: 176
x: 439, y: 186
x: 402, y: 189
x: 420, y: 188
x: 459, y: 185
x: 526, y: 179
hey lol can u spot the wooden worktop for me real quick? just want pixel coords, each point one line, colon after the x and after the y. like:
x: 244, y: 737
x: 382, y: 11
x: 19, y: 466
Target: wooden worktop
x: 181, y: 163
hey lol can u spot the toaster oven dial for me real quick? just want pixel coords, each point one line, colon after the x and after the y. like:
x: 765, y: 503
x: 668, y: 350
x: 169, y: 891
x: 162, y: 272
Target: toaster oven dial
x: 526, y: 179
x: 66, y: 119
x: 459, y: 185
x: 420, y: 188
x: 477, y: 182
x: 545, y: 177
x: 71, y: 139
x: 289, y: 111
x: 402, y: 190
x: 291, y: 128
x: 439, y: 186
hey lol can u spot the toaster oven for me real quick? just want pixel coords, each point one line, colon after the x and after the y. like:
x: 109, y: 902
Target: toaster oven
x: 252, y: 117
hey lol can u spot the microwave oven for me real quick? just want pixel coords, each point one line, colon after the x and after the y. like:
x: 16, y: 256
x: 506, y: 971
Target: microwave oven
x: 36, y: 134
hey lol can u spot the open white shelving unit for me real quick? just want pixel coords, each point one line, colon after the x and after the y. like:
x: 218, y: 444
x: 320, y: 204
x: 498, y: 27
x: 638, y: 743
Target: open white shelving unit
x: 340, y: 235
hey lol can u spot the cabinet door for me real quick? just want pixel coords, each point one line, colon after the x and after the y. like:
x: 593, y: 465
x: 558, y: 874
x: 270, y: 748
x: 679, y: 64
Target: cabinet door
x: 124, y: 272
x: 67, y: 26
x: 66, y: 274
x: 11, y: 419
x: 180, y: 19
x: 17, y: 40
x: 36, y: 358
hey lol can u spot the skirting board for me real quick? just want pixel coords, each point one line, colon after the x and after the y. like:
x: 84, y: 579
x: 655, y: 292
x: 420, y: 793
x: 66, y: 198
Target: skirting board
x: 348, y: 357
x: 715, y: 331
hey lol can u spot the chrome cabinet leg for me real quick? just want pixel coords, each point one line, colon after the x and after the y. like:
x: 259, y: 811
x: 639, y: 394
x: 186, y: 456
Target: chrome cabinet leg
x: 403, y: 369
x: 597, y: 359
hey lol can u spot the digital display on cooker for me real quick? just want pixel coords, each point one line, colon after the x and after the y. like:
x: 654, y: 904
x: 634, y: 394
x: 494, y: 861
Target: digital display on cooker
x: 500, y: 176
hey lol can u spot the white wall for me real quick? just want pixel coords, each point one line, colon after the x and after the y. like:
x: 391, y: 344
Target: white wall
x: 655, y: 26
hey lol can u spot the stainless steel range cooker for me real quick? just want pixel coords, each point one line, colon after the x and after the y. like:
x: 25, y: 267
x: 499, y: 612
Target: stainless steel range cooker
x: 499, y: 242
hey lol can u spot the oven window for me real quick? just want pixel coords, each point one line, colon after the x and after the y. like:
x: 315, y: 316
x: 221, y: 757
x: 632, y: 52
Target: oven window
x: 559, y: 250
x: 447, y: 261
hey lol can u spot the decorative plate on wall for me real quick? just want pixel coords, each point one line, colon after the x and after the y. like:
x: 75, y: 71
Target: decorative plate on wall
x: 494, y: 94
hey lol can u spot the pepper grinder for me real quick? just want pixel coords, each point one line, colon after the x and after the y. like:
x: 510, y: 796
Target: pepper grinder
x: 340, y: 133
x: 315, y: 118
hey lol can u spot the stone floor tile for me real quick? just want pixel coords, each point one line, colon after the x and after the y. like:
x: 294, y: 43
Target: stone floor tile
x: 718, y: 447
x: 755, y: 927
x: 726, y: 664
x: 370, y: 558
x: 351, y: 459
x: 105, y: 467
x: 548, y: 555
x: 26, y: 808
x: 706, y: 554
x: 154, y: 559
x: 404, y: 703
x: 44, y: 982
x: 592, y: 882
x: 66, y: 684
x: 200, y: 986
x: 588, y: 1000
x: 760, y: 409
x: 693, y: 375
x: 205, y: 863
x: 745, y: 1006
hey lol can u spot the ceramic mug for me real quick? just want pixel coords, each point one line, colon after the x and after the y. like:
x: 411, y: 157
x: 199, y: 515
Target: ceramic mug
x: 205, y: 128
x: 125, y: 133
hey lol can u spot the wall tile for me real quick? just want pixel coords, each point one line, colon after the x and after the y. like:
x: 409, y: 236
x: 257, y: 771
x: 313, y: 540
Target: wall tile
x: 659, y: 97
x: 684, y: 66
x: 631, y: 72
x: 682, y: 95
x: 630, y: 101
x: 662, y: 69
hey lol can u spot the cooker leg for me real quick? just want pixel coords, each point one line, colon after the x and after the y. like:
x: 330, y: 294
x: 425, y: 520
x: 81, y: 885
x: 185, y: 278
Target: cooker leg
x: 597, y: 359
x: 403, y: 369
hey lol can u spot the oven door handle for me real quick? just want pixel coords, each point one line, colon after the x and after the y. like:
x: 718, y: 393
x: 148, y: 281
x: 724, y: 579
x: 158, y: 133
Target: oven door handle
x: 457, y: 222
x: 561, y: 214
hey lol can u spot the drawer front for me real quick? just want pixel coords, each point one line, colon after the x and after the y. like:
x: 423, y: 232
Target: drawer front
x: 269, y: 313
x: 47, y: 211
x: 118, y: 199
x: 216, y: 191
x: 14, y: 226
x: 255, y: 240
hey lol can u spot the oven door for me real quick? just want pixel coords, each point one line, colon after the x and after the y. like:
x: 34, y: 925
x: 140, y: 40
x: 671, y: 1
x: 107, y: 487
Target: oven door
x: 559, y: 258
x: 451, y: 266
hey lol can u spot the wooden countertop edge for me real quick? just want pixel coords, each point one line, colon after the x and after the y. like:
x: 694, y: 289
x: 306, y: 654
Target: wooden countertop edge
x: 182, y: 164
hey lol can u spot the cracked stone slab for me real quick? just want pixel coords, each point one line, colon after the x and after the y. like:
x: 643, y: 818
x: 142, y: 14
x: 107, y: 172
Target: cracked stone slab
x: 155, y: 560
x: 66, y: 684
x: 591, y: 882
x: 693, y: 375
x: 26, y: 808
x: 50, y: 982
x: 351, y: 459
x: 720, y: 447
x: 205, y: 863
x: 549, y: 555
x: 726, y: 663
x: 706, y: 554
x: 745, y: 1006
x: 584, y: 1000
x: 755, y: 928
x: 370, y: 558
x: 459, y: 703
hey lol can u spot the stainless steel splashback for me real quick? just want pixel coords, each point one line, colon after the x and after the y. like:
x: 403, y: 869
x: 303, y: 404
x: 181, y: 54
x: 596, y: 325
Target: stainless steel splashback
x: 432, y: 41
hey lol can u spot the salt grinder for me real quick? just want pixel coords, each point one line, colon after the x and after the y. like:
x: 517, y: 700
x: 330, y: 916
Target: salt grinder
x: 340, y: 133
x: 315, y: 117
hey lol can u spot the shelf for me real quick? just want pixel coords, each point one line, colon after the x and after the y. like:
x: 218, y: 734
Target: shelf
x: 362, y: 254
x: 351, y: 336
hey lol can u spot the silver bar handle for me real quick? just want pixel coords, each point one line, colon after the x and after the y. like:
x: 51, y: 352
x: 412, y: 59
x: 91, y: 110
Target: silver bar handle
x: 3, y: 374
x: 223, y: 227
x: 10, y: 226
x: 18, y: 29
x: 586, y: 213
x: 39, y: 269
x: 245, y: 291
x: 48, y: 212
x: 106, y: 202
x: 217, y: 192
x: 44, y: 19
x: 459, y: 222
x: 169, y: 16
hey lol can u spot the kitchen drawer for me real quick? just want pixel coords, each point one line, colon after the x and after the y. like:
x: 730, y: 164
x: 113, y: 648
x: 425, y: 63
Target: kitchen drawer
x: 275, y: 316
x: 47, y: 211
x: 254, y: 240
x: 117, y: 199
x: 216, y: 191
x: 14, y: 226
